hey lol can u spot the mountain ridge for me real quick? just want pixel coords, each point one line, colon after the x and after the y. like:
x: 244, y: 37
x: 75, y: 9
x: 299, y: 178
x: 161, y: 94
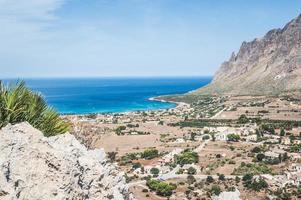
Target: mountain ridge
x: 269, y: 65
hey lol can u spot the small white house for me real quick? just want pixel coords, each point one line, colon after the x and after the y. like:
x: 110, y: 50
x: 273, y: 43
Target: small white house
x: 251, y: 138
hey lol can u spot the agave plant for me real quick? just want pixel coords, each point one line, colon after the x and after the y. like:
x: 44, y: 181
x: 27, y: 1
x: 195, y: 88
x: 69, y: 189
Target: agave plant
x: 19, y: 104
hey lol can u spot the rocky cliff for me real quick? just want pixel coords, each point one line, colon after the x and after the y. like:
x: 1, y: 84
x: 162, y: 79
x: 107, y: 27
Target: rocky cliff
x: 35, y: 167
x: 268, y: 65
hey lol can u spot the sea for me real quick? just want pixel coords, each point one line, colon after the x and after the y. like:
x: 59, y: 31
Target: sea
x: 111, y: 95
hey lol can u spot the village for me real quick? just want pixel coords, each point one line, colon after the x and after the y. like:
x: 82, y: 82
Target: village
x: 237, y: 148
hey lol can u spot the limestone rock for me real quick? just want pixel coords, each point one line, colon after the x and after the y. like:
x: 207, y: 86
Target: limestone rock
x: 228, y: 196
x: 268, y: 65
x: 35, y: 167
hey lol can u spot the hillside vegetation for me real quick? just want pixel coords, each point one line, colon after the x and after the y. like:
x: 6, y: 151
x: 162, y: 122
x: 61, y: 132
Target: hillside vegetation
x: 20, y: 104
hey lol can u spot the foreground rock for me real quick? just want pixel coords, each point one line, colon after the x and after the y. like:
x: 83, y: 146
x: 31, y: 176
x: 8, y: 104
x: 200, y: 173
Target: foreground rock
x: 35, y: 167
x: 268, y: 65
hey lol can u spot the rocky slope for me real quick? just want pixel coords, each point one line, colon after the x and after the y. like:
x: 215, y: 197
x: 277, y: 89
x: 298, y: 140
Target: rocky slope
x: 35, y: 167
x: 269, y: 65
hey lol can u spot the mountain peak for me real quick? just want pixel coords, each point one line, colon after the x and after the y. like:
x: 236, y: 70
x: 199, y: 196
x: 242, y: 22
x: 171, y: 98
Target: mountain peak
x: 270, y: 65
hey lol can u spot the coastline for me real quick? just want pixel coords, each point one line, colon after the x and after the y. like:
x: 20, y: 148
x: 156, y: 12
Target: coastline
x: 177, y: 106
x: 178, y: 103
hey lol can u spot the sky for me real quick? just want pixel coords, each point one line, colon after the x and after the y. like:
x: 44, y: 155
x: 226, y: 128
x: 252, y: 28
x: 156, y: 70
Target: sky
x: 96, y: 38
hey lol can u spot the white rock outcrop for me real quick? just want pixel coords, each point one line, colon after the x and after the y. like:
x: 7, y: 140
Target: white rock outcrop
x: 228, y: 196
x: 35, y: 167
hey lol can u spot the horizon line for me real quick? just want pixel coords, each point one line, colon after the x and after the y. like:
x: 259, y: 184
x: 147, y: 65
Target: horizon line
x: 96, y: 77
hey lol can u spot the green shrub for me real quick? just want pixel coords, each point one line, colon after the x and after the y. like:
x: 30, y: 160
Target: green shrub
x: 154, y: 171
x: 252, y: 168
x: 221, y: 177
x: 215, y: 190
x: 187, y: 157
x: 256, y: 150
x: 233, y: 137
x: 20, y: 104
x: 191, y: 171
x: 119, y: 130
x: 161, y: 188
x: 209, y: 179
x: 260, y: 156
x: 150, y: 153
x: 243, y: 119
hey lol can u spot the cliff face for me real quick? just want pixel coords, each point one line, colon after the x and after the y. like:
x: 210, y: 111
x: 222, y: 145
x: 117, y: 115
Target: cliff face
x: 35, y: 167
x: 269, y: 65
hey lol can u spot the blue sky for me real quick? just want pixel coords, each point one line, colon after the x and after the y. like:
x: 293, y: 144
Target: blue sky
x: 82, y: 38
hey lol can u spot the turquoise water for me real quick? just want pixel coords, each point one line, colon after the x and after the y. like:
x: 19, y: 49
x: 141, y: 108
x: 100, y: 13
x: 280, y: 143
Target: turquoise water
x: 101, y: 95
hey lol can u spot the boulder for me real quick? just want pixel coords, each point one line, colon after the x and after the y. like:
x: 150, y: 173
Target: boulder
x: 35, y: 167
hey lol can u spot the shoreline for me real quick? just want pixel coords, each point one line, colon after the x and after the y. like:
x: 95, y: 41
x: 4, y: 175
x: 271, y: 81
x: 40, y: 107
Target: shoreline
x: 177, y: 104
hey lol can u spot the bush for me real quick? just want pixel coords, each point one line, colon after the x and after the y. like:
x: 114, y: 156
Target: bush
x: 216, y: 190
x: 209, y: 179
x: 154, y: 171
x: 206, y: 137
x: 19, y: 104
x: 119, y: 130
x: 187, y: 157
x: 190, y: 179
x: 161, y: 188
x: 136, y: 165
x: 191, y: 171
x: 256, y: 185
x: 256, y: 150
x: 260, y: 156
x: 252, y: 168
x: 150, y: 154
x: 233, y: 137
x: 243, y: 119
x: 221, y: 177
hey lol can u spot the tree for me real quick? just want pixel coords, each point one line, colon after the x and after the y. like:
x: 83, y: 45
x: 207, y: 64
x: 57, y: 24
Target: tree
x: 19, y: 104
x: 112, y: 156
x: 256, y: 150
x: 247, y: 179
x: 191, y: 171
x: 187, y: 157
x: 282, y: 132
x: 119, y: 130
x: 190, y: 179
x: 216, y: 190
x: 209, y: 179
x: 233, y: 137
x: 221, y: 177
x: 136, y: 165
x: 150, y: 153
x: 258, y: 185
x: 154, y: 171
x: 161, y: 188
x: 237, y: 179
x: 243, y: 119
x: 260, y: 156
x: 192, y: 136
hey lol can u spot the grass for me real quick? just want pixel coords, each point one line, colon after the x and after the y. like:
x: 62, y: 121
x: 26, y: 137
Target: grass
x: 20, y: 104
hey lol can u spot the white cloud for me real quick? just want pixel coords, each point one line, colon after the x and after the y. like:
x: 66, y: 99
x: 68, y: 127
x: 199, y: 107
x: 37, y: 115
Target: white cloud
x: 29, y: 9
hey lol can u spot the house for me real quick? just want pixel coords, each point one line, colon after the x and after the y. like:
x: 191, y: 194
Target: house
x: 170, y: 156
x: 251, y: 138
x: 274, y: 155
x: 295, y: 168
x: 180, y: 140
x: 221, y: 136
x: 286, y: 141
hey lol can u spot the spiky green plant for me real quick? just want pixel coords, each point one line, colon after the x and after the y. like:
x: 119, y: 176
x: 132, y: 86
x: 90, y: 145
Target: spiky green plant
x: 19, y: 104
